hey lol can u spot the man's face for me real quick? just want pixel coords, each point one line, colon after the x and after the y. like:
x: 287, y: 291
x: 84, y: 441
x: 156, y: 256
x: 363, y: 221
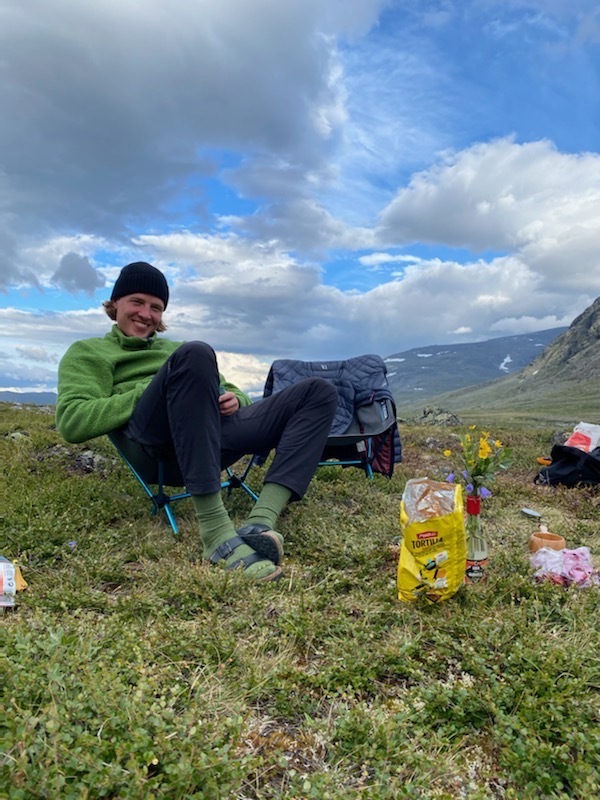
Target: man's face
x: 139, y: 314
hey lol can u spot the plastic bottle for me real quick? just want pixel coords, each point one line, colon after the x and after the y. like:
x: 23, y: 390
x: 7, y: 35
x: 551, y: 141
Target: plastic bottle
x: 8, y: 583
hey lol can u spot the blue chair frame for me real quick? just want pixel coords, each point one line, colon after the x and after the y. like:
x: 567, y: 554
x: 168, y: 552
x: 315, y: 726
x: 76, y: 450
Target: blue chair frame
x: 153, y: 471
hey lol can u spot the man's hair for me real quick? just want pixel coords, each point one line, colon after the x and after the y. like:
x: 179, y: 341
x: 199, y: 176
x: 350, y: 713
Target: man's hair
x: 111, y: 311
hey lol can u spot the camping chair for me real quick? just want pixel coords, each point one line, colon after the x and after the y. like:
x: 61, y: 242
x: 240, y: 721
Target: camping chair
x: 364, y: 432
x: 159, y: 472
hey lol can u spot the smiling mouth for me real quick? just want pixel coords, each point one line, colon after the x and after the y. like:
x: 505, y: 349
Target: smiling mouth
x: 142, y: 329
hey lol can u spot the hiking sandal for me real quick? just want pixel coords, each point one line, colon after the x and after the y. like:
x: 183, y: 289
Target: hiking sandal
x: 224, y: 550
x: 265, y: 541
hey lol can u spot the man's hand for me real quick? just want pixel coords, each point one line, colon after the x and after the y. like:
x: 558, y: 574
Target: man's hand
x: 228, y: 404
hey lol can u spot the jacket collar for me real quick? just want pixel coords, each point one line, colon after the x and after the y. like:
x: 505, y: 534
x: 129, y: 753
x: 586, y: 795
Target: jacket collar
x: 130, y: 342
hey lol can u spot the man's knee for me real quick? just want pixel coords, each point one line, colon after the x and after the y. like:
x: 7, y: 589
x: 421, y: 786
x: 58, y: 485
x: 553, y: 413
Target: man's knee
x: 196, y: 354
x: 196, y: 350
x: 324, y: 391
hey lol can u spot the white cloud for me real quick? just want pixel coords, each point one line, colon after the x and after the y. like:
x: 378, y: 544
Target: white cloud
x: 274, y: 158
x: 376, y: 260
x: 32, y: 353
x: 108, y: 112
x: 496, y: 195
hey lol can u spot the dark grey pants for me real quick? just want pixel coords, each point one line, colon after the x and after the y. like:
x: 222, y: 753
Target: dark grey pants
x: 179, y: 413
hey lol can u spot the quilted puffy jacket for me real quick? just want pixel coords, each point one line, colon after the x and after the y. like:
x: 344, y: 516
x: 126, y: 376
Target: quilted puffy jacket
x: 366, y: 406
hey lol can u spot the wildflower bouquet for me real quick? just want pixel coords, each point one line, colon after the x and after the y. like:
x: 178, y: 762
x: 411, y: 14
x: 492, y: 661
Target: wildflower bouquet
x: 481, y: 458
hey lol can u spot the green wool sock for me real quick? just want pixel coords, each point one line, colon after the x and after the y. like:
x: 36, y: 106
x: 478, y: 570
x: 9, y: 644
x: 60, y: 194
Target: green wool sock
x: 216, y: 527
x: 271, y: 502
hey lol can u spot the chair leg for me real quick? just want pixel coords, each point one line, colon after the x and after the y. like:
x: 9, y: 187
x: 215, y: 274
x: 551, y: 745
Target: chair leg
x: 235, y: 482
x: 171, y: 518
x: 370, y: 456
x: 162, y: 501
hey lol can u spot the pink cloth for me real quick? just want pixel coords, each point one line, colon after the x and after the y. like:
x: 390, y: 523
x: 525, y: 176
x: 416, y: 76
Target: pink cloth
x: 565, y: 566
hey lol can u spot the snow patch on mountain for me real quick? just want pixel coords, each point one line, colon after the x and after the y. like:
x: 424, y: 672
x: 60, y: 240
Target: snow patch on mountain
x: 504, y: 365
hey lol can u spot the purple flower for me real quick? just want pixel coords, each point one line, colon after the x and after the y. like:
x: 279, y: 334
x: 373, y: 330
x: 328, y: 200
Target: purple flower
x: 483, y: 492
x: 450, y: 477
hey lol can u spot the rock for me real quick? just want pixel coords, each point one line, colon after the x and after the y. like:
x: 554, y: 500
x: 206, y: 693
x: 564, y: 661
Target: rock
x: 559, y: 437
x: 90, y: 461
x: 16, y: 435
x: 438, y: 416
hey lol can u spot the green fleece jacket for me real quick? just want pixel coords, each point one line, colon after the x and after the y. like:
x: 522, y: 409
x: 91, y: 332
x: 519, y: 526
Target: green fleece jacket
x: 101, y: 380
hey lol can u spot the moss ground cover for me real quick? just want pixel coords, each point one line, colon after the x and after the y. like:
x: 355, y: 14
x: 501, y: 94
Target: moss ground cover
x: 134, y: 670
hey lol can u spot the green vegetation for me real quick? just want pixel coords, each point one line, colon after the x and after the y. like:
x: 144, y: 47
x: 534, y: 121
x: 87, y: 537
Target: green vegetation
x: 543, y: 401
x: 134, y: 671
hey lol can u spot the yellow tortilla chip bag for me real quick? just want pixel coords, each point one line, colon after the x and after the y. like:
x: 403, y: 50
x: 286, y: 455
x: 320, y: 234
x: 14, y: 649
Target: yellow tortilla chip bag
x: 434, y: 550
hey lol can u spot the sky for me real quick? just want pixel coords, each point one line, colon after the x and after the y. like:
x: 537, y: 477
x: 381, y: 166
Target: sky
x: 318, y: 179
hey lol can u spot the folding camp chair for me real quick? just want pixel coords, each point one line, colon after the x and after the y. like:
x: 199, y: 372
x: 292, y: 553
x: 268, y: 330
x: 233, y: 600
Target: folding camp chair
x: 364, y: 432
x: 161, y: 472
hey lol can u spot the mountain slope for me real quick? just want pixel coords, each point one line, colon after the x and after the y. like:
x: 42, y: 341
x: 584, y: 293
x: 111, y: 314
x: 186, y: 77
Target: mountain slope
x: 575, y: 354
x: 563, y: 381
x: 418, y: 374
x: 28, y: 398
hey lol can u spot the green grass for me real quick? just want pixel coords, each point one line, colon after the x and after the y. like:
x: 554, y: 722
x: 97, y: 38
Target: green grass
x: 548, y: 400
x: 133, y: 670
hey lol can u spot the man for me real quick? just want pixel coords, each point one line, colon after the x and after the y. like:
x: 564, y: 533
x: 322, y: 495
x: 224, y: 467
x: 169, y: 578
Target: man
x: 166, y: 394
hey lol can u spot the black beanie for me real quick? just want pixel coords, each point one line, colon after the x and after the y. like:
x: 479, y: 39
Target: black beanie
x: 143, y: 278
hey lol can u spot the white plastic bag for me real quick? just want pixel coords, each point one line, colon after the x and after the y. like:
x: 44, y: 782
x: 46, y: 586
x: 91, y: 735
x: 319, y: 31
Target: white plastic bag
x: 565, y: 567
x: 585, y: 436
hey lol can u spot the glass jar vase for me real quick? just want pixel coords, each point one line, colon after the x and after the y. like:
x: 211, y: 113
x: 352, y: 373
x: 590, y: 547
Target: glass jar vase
x: 477, y: 547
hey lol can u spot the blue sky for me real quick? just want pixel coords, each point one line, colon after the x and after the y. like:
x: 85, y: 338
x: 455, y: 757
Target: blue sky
x: 316, y: 178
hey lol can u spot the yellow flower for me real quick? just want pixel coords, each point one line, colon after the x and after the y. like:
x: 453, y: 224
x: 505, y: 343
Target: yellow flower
x: 472, y: 427
x: 498, y: 443
x: 447, y: 453
x: 484, y: 448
